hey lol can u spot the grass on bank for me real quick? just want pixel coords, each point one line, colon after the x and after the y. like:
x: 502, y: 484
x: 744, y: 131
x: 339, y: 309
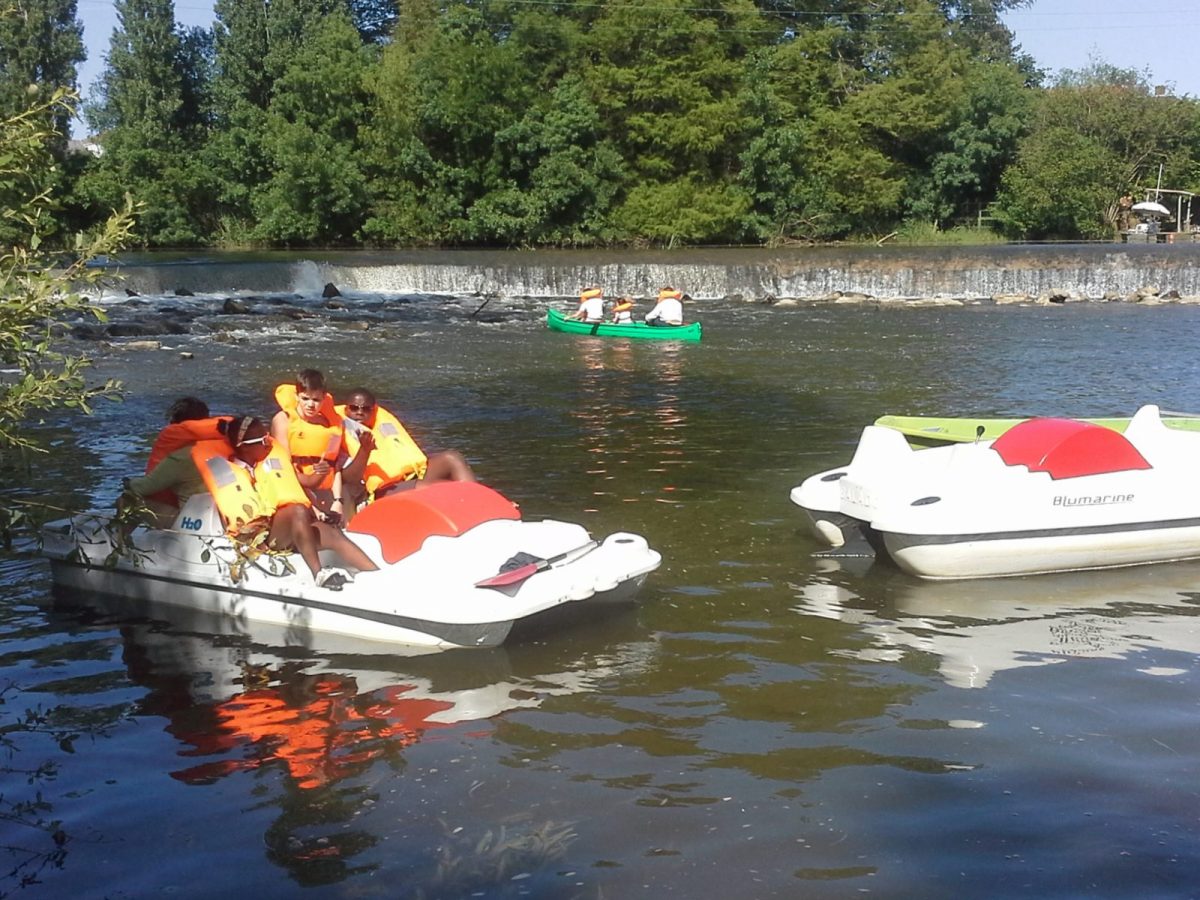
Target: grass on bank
x: 929, y: 234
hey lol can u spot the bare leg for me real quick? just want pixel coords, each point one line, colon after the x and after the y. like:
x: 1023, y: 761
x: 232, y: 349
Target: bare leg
x: 333, y: 539
x: 352, y: 494
x: 449, y: 465
x: 292, y: 528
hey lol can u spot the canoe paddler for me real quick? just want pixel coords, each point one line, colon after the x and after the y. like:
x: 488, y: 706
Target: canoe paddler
x: 668, y: 310
x: 591, y: 306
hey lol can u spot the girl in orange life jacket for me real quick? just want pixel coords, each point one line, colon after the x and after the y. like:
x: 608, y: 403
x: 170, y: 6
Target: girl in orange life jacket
x: 397, y: 461
x: 278, y: 497
x: 623, y: 311
x: 311, y: 430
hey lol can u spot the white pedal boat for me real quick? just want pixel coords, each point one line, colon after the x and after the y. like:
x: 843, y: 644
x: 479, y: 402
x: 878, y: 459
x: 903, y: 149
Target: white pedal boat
x: 1049, y: 495
x: 432, y: 545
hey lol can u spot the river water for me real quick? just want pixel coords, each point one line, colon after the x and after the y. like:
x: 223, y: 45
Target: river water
x: 763, y: 724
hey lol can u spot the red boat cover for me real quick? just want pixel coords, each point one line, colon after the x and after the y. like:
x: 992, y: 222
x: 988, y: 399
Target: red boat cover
x: 404, y: 519
x: 1065, y: 448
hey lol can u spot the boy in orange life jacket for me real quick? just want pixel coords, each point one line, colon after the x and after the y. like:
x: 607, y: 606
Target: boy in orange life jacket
x: 623, y: 311
x: 397, y: 461
x: 309, y: 427
x: 294, y: 526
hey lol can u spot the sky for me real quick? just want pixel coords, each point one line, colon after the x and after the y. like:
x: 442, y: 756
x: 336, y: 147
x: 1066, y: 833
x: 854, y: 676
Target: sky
x: 1156, y: 36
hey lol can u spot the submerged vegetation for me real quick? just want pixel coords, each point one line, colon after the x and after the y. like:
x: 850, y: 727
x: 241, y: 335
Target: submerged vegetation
x: 502, y: 123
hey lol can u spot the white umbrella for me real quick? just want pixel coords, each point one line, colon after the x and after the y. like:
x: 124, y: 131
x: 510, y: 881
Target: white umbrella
x: 1150, y: 208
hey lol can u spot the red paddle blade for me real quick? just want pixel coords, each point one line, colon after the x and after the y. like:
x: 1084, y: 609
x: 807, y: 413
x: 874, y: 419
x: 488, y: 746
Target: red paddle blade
x: 520, y: 573
x: 512, y: 576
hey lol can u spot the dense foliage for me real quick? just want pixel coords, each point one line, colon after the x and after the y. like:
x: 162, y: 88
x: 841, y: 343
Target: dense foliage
x: 542, y: 122
x: 38, y: 290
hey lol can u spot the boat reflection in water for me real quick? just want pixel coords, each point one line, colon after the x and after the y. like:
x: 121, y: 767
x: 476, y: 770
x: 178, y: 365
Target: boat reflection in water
x: 321, y: 728
x: 982, y: 627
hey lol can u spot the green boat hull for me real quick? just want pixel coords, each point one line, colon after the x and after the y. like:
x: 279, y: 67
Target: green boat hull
x: 931, y: 431
x: 638, y: 330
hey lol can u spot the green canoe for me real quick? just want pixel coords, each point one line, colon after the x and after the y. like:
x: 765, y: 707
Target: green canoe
x: 557, y: 322
x: 931, y: 431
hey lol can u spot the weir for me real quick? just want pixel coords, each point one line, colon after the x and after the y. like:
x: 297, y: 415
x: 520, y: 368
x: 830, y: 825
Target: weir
x: 1083, y: 271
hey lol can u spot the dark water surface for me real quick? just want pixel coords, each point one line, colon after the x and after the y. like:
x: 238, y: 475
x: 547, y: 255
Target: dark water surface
x: 763, y: 724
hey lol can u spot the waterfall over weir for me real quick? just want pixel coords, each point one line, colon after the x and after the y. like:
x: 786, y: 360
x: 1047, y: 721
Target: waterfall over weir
x: 1082, y: 271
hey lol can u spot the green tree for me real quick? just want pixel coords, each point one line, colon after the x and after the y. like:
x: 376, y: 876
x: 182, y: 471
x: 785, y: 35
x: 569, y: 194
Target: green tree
x: 446, y: 87
x: 666, y: 80
x: 865, y: 112
x: 813, y: 167
x: 316, y: 190
x: 559, y: 176
x: 255, y: 45
x: 967, y: 159
x: 1059, y: 187
x: 374, y: 19
x: 1112, y: 133
x: 152, y: 119
x: 41, y: 43
x: 36, y: 293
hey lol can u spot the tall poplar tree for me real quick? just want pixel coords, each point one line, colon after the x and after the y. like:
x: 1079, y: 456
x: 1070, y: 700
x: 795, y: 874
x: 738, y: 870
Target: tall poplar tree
x: 255, y: 45
x: 151, y: 123
x: 315, y: 191
x: 666, y: 80
x: 41, y: 43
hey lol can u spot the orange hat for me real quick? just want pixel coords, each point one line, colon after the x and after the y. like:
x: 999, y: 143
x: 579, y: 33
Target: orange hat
x: 590, y: 293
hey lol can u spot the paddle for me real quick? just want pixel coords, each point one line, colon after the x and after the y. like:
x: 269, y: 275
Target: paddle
x: 528, y: 570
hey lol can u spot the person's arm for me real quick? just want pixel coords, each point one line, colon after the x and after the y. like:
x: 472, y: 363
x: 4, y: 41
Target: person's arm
x: 313, y: 479
x: 279, y: 429
x: 654, y: 313
x: 167, y: 475
x: 163, y: 477
x: 337, y: 512
x: 355, y: 468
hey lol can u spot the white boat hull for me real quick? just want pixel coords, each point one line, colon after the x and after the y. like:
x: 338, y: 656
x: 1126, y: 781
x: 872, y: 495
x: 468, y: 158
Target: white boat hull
x: 1055, y: 496
x: 1036, y: 552
x: 428, y: 598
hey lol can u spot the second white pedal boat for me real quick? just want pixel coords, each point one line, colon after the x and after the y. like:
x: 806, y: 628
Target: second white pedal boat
x: 1049, y: 495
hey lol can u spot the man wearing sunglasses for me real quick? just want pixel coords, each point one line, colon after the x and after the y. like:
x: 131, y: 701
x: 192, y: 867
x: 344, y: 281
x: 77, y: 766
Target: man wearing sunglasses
x: 396, y: 461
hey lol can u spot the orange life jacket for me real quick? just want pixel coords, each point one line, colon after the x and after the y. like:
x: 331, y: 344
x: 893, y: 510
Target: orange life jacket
x: 176, y: 436
x: 670, y: 294
x: 241, y: 497
x: 590, y: 294
x: 309, y: 442
x: 396, y: 456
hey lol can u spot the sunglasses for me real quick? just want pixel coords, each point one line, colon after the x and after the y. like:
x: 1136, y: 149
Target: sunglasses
x: 366, y: 407
x: 265, y: 439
